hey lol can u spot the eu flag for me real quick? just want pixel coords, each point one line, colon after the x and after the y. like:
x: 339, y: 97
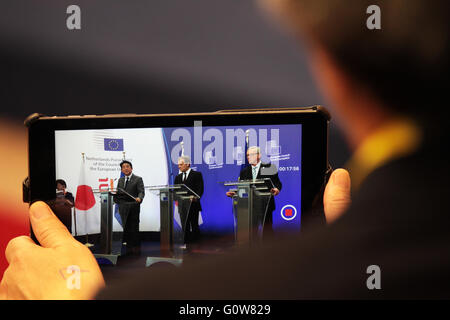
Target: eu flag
x: 113, y: 144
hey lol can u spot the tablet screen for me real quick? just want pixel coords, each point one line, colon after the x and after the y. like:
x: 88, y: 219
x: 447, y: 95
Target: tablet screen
x: 89, y: 159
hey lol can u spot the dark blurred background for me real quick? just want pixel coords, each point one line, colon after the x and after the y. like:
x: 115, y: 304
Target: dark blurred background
x: 153, y: 56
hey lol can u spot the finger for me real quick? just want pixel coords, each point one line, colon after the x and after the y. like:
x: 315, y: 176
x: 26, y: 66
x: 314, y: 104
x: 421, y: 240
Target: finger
x: 17, y: 246
x: 337, y: 198
x: 49, y: 230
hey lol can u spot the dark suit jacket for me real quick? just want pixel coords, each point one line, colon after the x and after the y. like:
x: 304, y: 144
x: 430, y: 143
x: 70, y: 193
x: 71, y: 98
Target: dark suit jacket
x: 266, y: 170
x: 399, y: 220
x: 194, y: 181
x: 135, y: 187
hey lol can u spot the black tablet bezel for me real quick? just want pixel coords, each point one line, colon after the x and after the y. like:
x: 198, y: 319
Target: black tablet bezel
x: 314, y: 120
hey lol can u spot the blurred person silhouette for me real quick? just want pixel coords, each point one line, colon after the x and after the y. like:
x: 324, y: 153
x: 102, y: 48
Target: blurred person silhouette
x: 385, y: 86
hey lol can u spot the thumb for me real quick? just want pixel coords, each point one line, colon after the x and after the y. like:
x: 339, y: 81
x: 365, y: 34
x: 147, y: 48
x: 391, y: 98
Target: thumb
x: 48, y: 229
x: 336, y: 198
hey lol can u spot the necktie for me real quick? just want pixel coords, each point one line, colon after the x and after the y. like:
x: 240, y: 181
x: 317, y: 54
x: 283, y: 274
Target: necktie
x: 254, y: 173
x: 184, y: 176
x: 126, y: 182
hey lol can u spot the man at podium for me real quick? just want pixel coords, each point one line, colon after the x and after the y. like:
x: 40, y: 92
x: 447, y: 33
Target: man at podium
x: 130, y: 193
x: 258, y: 170
x: 194, y: 181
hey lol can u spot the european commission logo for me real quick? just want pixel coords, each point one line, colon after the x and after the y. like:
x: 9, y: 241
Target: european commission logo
x: 288, y: 212
x: 113, y: 144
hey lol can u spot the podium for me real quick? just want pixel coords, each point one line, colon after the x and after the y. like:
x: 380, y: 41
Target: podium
x: 106, y: 254
x: 175, y: 202
x: 250, y: 204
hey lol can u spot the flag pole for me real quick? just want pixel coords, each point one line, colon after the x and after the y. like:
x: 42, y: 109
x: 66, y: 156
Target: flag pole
x: 75, y: 219
x: 87, y: 244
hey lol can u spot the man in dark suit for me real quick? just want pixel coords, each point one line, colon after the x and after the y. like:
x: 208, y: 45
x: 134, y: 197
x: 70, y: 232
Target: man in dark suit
x: 258, y: 170
x: 189, y: 215
x: 130, y: 193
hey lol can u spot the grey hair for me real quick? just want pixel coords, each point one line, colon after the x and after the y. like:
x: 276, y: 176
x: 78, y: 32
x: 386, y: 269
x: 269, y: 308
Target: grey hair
x: 258, y: 150
x: 186, y: 159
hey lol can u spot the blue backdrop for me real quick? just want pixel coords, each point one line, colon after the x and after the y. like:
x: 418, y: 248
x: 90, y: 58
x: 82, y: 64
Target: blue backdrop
x: 219, y: 153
